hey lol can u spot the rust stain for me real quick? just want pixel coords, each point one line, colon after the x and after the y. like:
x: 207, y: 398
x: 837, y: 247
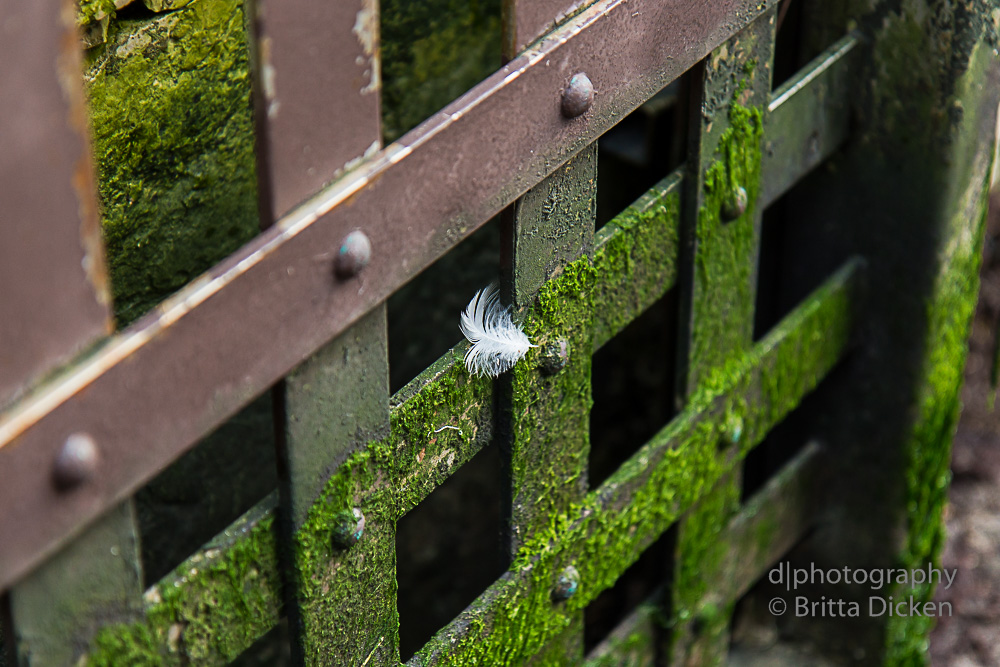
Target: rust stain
x: 365, y: 28
x: 69, y: 65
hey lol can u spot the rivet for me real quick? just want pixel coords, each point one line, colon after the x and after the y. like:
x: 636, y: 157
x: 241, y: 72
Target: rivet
x: 349, y: 528
x: 354, y: 254
x: 555, y: 355
x: 733, y: 432
x: 566, y: 585
x: 735, y: 204
x: 578, y: 96
x: 76, y: 462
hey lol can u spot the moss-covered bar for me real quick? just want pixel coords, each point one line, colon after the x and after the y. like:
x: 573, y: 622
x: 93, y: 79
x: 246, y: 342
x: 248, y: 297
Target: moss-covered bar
x: 767, y: 526
x: 633, y: 643
x: 438, y: 423
x: 211, y: 608
x: 516, y: 618
x: 224, y: 597
x: 636, y: 258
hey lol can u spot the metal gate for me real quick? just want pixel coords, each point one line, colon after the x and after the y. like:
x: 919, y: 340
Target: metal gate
x: 878, y: 152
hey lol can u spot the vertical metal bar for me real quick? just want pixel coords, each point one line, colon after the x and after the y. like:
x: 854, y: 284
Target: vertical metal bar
x: 318, y: 110
x: 319, y: 86
x: 56, y: 304
x: 545, y: 408
x: 55, y: 300
x: 62, y: 604
x: 720, y: 236
x: 544, y: 412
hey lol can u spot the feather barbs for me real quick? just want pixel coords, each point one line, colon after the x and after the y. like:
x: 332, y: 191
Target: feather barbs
x: 497, y: 342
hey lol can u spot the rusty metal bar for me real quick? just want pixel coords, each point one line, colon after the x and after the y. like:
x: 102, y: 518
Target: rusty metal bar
x: 281, y: 301
x: 318, y: 109
x: 317, y: 63
x: 55, y: 301
x: 527, y: 20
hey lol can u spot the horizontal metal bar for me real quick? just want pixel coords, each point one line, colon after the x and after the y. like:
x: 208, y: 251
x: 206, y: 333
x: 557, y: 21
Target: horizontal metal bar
x: 664, y: 479
x: 151, y: 392
x: 212, y: 607
x: 809, y: 119
x: 785, y: 509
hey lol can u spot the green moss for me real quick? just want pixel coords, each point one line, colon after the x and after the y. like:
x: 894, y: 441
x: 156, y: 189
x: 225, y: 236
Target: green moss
x: 607, y: 532
x: 439, y: 422
x: 173, y: 137
x: 432, y: 52
x: 94, y: 10
x: 724, y: 282
x: 949, y: 311
x: 210, y: 610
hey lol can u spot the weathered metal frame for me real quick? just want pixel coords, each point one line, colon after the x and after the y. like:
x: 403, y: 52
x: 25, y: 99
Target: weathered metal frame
x: 681, y: 475
x: 280, y: 287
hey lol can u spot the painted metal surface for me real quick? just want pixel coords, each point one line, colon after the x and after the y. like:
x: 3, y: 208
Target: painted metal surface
x: 55, y: 299
x: 318, y: 72
x: 56, y: 304
x: 318, y: 66
x: 235, y: 331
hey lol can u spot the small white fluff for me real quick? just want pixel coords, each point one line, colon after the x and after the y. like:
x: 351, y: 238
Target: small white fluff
x: 497, y: 343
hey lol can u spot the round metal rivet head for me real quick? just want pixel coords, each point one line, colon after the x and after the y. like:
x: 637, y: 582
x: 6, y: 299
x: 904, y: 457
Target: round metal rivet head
x: 354, y: 254
x: 349, y: 528
x: 578, y: 96
x: 735, y: 204
x: 732, y: 432
x: 566, y: 585
x: 76, y: 462
x: 555, y: 355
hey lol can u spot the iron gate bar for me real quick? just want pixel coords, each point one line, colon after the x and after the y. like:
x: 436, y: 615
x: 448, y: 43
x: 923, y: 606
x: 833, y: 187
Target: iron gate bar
x: 318, y: 72
x: 318, y: 115
x: 56, y: 298
x: 808, y: 119
x: 279, y: 293
x: 720, y: 244
x: 525, y: 21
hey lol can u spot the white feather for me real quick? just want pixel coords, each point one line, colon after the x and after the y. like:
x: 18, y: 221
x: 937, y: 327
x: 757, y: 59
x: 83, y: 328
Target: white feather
x: 497, y: 343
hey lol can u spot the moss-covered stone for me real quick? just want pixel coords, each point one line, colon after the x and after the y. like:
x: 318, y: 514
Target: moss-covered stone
x: 173, y: 136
